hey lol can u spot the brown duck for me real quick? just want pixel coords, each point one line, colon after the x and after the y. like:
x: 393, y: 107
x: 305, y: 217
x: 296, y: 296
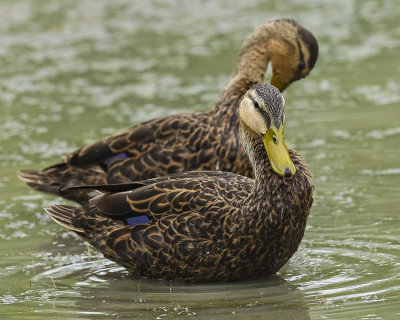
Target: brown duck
x: 203, y: 226
x: 183, y: 142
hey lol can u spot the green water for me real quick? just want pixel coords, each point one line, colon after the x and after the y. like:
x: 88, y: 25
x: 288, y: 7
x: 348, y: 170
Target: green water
x: 75, y: 71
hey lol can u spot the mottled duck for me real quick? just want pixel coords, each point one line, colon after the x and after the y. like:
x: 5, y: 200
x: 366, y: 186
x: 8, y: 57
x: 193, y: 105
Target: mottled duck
x: 203, y: 226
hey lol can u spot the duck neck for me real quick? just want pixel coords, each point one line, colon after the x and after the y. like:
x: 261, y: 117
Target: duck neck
x: 253, y: 61
x: 250, y: 69
x: 265, y: 179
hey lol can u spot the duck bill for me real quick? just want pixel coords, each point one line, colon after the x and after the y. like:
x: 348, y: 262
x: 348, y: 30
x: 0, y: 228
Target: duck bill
x: 278, y: 153
x: 276, y: 82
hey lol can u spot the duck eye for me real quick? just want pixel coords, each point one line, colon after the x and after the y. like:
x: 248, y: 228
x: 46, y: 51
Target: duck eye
x: 256, y: 105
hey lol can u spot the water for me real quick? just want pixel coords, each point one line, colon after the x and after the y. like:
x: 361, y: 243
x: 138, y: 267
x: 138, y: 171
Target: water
x: 72, y: 72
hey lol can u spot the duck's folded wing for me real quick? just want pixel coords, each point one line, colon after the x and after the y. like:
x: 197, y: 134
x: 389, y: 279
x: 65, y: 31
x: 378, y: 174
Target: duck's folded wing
x: 120, y: 187
x: 175, y: 194
x: 137, y: 139
x: 112, y: 146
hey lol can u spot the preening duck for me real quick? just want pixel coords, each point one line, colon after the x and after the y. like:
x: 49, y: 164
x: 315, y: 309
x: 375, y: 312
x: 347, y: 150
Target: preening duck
x: 203, y: 226
x: 183, y: 142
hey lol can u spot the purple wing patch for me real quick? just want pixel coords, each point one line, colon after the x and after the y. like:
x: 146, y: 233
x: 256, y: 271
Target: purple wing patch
x: 118, y: 156
x: 133, y: 221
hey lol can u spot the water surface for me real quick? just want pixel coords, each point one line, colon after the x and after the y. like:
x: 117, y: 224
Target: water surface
x: 73, y: 72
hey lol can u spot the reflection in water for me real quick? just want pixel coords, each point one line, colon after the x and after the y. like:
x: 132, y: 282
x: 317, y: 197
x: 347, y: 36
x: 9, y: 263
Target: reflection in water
x: 271, y: 297
x: 104, y: 288
x: 76, y: 71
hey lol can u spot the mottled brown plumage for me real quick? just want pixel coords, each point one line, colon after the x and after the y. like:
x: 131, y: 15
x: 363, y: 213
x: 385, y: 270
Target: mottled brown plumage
x: 183, y: 142
x: 206, y: 225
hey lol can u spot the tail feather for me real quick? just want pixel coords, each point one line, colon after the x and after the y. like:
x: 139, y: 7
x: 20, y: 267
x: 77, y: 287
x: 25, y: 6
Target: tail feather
x: 46, y: 188
x: 29, y: 175
x: 63, y: 215
x: 41, y: 180
x: 58, y: 178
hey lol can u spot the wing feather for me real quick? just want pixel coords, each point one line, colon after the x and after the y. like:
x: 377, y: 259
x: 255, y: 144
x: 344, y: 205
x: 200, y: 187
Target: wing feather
x: 172, y: 195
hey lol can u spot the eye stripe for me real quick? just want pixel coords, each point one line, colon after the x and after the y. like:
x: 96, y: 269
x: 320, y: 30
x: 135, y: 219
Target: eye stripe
x: 264, y: 113
x: 302, y: 64
x: 255, y: 102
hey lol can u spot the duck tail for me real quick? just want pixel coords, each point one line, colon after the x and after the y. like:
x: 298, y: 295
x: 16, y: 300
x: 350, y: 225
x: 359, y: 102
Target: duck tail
x: 47, y: 180
x: 111, y: 237
x: 63, y: 215
x: 56, y: 179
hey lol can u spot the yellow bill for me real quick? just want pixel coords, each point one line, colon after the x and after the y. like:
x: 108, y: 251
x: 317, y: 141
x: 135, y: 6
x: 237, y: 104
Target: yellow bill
x: 277, y: 151
x: 276, y: 82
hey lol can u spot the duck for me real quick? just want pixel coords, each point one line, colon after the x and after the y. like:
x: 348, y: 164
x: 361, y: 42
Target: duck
x: 187, y: 141
x: 206, y: 226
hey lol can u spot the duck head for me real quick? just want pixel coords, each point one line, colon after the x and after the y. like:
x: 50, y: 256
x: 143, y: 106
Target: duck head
x: 294, y: 51
x: 261, y: 112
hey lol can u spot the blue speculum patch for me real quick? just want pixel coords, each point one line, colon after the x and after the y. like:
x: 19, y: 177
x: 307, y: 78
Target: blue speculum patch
x: 133, y: 221
x: 118, y: 156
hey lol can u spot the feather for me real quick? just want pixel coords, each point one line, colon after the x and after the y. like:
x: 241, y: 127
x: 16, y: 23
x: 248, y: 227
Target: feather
x: 63, y: 215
